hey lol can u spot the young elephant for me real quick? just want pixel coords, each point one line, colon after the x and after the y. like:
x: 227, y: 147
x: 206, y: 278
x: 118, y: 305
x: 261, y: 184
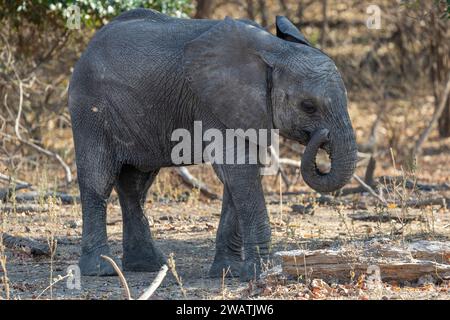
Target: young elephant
x: 145, y: 74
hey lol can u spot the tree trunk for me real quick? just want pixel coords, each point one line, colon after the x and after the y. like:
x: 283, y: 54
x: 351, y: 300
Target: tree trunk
x: 284, y: 8
x: 324, y: 31
x: 440, y: 67
x: 263, y: 11
x: 444, y: 121
x: 250, y: 10
x: 204, y: 9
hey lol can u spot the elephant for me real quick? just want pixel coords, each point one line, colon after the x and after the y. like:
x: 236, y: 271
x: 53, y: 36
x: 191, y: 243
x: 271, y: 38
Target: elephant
x: 144, y: 75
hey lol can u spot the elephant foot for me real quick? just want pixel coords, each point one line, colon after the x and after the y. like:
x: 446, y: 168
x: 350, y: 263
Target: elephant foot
x: 225, y: 264
x: 222, y: 268
x: 145, y: 258
x: 250, y: 270
x: 91, y: 264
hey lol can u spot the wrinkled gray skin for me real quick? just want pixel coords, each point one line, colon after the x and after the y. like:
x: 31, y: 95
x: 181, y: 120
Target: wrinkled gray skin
x: 145, y: 74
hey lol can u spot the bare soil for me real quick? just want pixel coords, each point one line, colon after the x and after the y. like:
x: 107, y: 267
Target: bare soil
x: 187, y: 230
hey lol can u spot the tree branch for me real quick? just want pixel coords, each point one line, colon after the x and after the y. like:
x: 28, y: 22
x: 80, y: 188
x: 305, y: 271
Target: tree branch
x: 424, y: 136
x: 155, y: 284
x: 33, y: 145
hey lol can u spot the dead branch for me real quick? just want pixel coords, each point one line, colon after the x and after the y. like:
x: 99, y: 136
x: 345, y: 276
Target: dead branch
x: 277, y: 162
x: 24, y: 208
x: 5, y: 193
x: 337, y: 201
x: 424, y: 136
x: 149, y: 291
x: 123, y: 281
x: 385, y: 217
x: 155, y: 284
x: 263, y: 12
x: 191, y: 181
x: 290, y: 162
x: 409, y: 184
x: 34, y: 196
x: 9, y: 179
x: 323, y: 199
x: 440, y: 201
x: 369, y: 189
x: 33, y: 145
x: 370, y: 170
x: 19, y: 185
x: 35, y: 248
x: 368, y: 179
x: 394, y: 262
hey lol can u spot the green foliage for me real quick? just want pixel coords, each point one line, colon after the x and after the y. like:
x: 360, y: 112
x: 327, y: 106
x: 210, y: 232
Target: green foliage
x: 93, y: 13
x: 447, y: 13
x: 443, y: 6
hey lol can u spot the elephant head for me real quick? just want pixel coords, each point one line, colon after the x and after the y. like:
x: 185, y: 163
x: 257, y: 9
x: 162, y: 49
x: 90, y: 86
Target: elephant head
x: 250, y: 78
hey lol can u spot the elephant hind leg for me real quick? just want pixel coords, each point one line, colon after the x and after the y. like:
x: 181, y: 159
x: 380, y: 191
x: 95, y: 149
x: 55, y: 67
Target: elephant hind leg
x: 96, y: 182
x: 139, y: 251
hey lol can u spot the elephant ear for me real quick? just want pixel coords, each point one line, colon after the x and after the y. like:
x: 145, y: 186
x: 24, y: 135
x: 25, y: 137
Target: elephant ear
x: 286, y: 30
x: 226, y: 68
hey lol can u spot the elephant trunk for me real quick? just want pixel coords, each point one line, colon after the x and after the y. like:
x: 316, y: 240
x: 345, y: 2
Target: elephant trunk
x: 343, y: 154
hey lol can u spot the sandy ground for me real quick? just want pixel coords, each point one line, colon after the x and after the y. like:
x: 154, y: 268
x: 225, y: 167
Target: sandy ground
x: 187, y: 230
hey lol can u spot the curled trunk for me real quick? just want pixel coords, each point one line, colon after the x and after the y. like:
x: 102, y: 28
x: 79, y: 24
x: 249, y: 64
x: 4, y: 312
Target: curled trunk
x: 343, y: 154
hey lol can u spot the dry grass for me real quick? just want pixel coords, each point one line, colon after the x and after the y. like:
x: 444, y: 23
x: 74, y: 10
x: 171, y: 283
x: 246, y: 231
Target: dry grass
x: 189, y: 231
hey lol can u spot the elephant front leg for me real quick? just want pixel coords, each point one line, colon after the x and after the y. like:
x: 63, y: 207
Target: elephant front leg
x: 228, y: 258
x: 243, y: 183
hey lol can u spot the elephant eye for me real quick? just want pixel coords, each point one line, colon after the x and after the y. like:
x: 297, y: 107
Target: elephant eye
x: 308, y: 106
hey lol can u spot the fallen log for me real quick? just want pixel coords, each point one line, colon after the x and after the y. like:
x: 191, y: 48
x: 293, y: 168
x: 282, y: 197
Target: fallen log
x: 385, y: 217
x: 35, y: 247
x: 34, y: 196
x: 336, y: 201
x: 395, y: 271
x: 421, y: 250
x: 24, y: 208
x: 303, y: 209
x: 4, y: 177
x: 325, y: 200
x: 440, y: 201
x: 7, y: 192
x: 410, y: 184
x: 409, y: 262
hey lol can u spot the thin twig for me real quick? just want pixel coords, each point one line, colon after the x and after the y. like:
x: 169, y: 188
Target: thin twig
x: 51, y: 285
x: 369, y: 189
x: 277, y: 161
x: 155, y: 284
x: 424, y: 136
x: 121, y: 276
x: 31, y: 144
